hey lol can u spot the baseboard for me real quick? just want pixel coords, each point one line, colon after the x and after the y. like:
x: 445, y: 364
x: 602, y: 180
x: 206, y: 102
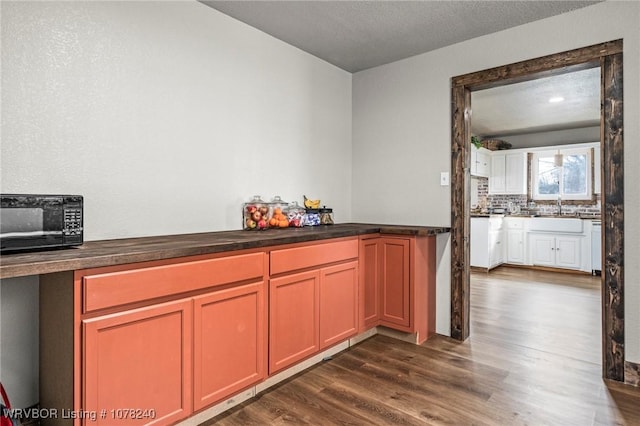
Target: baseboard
x: 399, y: 335
x: 632, y: 373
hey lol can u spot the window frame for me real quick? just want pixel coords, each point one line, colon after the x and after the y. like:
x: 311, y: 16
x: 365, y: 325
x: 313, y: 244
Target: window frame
x: 535, y: 196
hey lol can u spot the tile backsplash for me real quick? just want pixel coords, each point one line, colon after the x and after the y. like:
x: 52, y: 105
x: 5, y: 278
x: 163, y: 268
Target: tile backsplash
x: 502, y: 201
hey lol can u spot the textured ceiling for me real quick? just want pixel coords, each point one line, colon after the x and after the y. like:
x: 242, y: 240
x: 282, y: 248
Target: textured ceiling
x: 356, y: 35
x: 525, y: 108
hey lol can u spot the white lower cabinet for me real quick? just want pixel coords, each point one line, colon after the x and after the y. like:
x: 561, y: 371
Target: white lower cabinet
x: 559, y: 251
x: 516, y: 238
x: 487, y: 245
x: 515, y: 246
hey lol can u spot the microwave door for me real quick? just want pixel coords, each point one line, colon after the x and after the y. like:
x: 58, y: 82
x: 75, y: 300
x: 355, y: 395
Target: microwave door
x: 29, y: 227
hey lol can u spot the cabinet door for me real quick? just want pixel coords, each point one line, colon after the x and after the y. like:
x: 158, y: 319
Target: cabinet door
x: 496, y: 178
x: 370, y: 258
x: 395, y: 280
x: 338, y: 303
x: 479, y: 244
x: 543, y: 250
x: 293, y: 318
x: 139, y: 359
x: 568, y: 252
x: 516, y: 173
x: 496, y: 248
x: 483, y: 163
x: 515, y: 246
x: 229, y: 342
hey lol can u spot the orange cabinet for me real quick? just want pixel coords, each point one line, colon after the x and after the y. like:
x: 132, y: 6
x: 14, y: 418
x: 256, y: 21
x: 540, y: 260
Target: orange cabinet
x: 315, y: 305
x: 293, y: 319
x: 397, y: 284
x: 394, y: 283
x: 140, y: 351
x: 370, y: 263
x: 338, y: 302
x: 311, y: 311
x: 229, y: 342
x: 139, y: 359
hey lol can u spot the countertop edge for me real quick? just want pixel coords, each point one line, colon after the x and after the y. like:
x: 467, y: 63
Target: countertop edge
x: 95, y: 254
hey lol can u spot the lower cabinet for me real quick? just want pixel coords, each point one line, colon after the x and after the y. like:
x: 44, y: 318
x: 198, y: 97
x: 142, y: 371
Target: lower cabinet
x: 174, y: 337
x: 486, y: 245
x: 338, y: 303
x: 293, y: 319
x: 142, y: 358
x: 515, y: 246
x: 394, y: 282
x: 139, y: 359
x: 555, y: 251
x: 370, y: 260
x: 229, y: 342
x: 310, y: 311
x: 397, y: 284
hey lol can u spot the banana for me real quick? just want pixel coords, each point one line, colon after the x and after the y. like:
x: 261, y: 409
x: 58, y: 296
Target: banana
x: 311, y: 204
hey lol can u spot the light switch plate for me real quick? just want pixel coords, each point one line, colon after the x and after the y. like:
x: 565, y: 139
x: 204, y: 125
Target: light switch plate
x: 444, y: 178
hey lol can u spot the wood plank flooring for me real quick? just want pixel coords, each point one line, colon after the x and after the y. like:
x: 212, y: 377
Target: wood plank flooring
x: 533, y: 358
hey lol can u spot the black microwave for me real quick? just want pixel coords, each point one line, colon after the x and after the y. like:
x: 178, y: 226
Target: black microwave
x: 37, y: 222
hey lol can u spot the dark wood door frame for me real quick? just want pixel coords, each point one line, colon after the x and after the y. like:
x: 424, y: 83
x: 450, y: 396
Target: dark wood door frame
x: 608, y: 57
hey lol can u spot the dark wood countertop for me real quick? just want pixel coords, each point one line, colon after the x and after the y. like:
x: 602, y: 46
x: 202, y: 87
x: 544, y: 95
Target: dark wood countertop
x: 94, y: 254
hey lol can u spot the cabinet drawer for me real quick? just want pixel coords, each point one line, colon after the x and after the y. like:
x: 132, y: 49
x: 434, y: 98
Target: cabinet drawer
x: 313, y: 255
x: 118, y: 288
x: 514, y: 223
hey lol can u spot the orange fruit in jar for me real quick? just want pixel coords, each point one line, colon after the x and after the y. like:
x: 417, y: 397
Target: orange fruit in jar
x: 283, y: 223
x: 273, y: 221
x: 277, y: 211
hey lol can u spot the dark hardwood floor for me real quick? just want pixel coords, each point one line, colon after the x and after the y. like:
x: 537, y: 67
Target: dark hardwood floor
x: 533, y: 358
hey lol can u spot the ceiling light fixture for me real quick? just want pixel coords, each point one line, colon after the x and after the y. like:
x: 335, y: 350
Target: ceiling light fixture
x: 558, y: 159
x: 556, y: 99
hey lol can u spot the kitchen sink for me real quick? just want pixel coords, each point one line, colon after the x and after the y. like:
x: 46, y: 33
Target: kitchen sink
x: 556, y: 224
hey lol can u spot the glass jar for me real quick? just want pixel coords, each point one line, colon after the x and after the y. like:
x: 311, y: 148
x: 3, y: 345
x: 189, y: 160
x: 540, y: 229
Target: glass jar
x: 255, y: 214
x: 326, y: 216
x: 278, y: 213
x: 312, y: 217
x: 295, y: 214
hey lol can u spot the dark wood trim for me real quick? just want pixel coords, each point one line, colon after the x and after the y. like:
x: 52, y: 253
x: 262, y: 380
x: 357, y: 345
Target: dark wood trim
x: 460, y: 212
x: 608, y: 56
x: 555, y: 64
x: 632, y: 373
x: 612, y: 218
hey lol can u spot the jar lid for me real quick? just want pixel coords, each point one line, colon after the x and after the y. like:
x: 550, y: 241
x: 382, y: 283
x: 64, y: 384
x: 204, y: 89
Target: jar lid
x: 326, y: 209
x: 312, y: 211
x: 278, y: 200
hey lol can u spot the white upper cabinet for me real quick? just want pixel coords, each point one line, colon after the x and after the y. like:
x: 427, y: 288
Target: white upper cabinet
x: 480, y: 161
x: 508, y: 173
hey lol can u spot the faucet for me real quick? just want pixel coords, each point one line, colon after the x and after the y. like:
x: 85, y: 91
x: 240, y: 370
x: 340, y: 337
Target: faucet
x: 559, y: 205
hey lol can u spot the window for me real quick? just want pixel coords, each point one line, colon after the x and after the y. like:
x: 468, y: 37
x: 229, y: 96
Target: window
x: 572, y: 181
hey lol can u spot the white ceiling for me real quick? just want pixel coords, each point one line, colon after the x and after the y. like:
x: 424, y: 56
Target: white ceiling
x: 525, y: 108
x: 357, y: 35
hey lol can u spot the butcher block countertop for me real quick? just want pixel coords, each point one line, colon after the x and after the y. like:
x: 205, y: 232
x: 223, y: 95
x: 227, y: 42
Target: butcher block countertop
x: 94, y: 254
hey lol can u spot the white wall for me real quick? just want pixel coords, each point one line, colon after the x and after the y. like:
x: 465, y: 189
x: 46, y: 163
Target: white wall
x: 166, y: 116
x: 402, y: 126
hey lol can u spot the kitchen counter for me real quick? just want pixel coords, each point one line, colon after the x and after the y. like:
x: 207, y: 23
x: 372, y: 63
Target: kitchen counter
x: 95, y: 254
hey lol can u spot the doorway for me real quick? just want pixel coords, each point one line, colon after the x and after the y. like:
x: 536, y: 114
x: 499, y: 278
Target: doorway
x: 608, y: 57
